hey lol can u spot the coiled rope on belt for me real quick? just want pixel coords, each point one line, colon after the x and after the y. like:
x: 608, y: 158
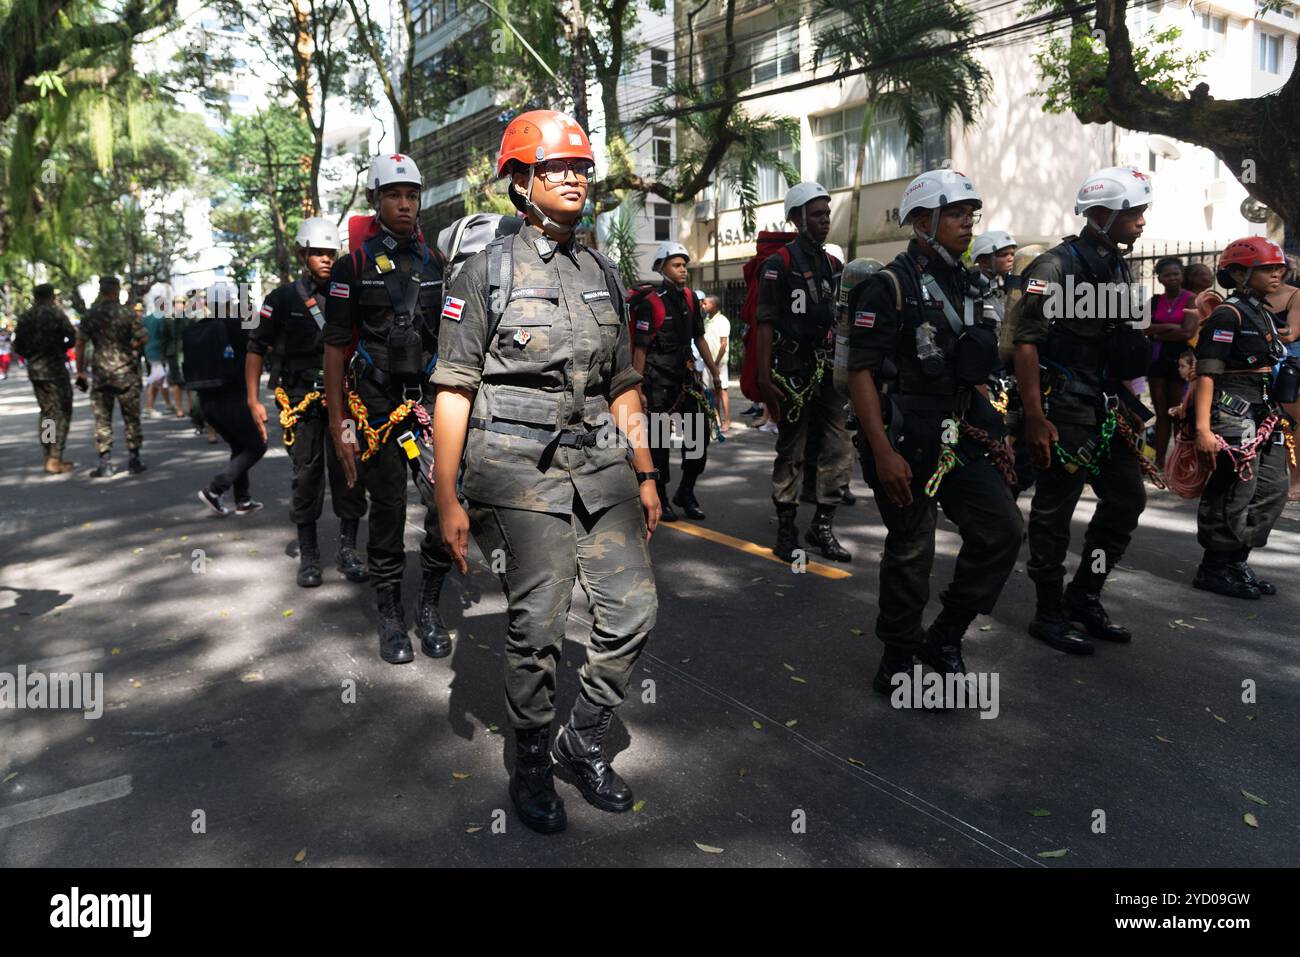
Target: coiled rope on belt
x: 799, y: 396
x: 1093, y: 465
x: 1243, y: 456
x: 291, y: 414
x: 376, y: 437
x: 998, y: 451
x: 1148, y: 467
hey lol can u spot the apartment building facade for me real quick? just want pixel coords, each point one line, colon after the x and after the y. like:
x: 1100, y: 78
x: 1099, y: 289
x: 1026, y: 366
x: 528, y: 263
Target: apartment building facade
x: 1026, y: 163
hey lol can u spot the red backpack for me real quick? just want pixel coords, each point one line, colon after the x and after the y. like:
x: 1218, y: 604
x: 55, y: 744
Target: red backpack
x: 649, y: 292
x: 768, y: 243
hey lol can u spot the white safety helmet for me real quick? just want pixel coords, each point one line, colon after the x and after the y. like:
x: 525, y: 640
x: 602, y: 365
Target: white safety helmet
x: 393, y: 168
x: 317, y: 233
x: 803, y: 194
x: 936, y: 189
x: 1114, y: 188
x: 834, y: 249
x: 991, y: 242
x: 667, y: 249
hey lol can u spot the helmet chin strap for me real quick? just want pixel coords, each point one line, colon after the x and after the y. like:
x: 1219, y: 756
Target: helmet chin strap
x: 537, y: 210
x: 929, y: 240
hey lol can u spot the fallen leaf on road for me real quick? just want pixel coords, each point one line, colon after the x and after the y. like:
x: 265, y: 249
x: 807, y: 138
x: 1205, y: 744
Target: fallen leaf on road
x: 251, y: 677
x: 855, y: 631
x: 792, y: 722
x: 986, y: 627
x: 136, y: 683
x: 684, y: 661
x: 85, y: 524
x: 1250, y: 717
x: 90, y: 740
x: 802, y: 681
x: 1252, y: 616
x: 742, y: 772
x: 225, y: 614
x: 136, y: 551
x: 472, y: 830
x: 1165, y: 740
x: 9, y: 777
x: 1040, y: 812
x: 758, y: 579
x: 493, y: 729
x: 708, y: 848
x: 459, y: 775
x: 1250, y: 819
x: 300, y: 856
x: 857, y: 762
x: 1061, y: 853
x: 288, y: 612
x: 638, y: 806
x: 157, y: 529
x: 116, y: 651
x: 1254, y: 797
x: 758, y: 726
x: 1199, y: 618
x: 787, y: 667
x: 185, y: 538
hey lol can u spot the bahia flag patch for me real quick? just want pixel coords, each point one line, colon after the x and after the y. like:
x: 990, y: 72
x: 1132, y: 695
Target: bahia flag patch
x: 864, y: 320
x: 451, y: 308
x: 771, y: 274
x: 1222, y: 335
x: 643, y: 325
x: 265, y: 311
x: 340, y: 290
x: 1036, y: 287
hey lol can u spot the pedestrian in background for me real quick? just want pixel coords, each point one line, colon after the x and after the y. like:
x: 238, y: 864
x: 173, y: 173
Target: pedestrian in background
x: 717, y: 334
x: 42, y: 337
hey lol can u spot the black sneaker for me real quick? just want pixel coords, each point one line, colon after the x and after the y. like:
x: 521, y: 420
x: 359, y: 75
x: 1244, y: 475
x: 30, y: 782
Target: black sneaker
x: 246, y: 506
x: 213, y: 501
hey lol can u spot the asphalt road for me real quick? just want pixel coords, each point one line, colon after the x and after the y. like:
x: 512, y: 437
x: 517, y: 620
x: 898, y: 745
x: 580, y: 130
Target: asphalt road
x: 751, y: 734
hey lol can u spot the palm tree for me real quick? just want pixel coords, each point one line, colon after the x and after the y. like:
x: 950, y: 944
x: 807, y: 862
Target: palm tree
x: 897, y: 42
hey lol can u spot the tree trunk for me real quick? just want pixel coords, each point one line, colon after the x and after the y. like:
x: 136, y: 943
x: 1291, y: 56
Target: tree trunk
x: 304, y: 49
x: 855, y: 207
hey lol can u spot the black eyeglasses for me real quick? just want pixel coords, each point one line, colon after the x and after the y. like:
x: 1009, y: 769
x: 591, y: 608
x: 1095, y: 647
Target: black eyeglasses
x: 557, y: 170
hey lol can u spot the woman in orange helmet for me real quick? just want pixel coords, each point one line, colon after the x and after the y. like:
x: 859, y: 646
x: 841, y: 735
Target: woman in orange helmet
x: 534, y: 363
x: 1238, y: 420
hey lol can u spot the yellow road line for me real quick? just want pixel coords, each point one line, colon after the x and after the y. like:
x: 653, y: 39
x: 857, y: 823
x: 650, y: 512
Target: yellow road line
x: 749, y: 548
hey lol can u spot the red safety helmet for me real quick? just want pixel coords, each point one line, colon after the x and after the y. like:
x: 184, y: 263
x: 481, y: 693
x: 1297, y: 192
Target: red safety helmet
x: 540, y: 135
x: 1249, y: 253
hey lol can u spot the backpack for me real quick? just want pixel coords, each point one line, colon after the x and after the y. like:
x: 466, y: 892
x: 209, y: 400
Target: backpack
x: 649, y: 292
x: 210, y: 361
x: 470, y: 234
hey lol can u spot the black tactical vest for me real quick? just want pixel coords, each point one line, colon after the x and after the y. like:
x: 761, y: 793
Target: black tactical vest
x: 401, y: 297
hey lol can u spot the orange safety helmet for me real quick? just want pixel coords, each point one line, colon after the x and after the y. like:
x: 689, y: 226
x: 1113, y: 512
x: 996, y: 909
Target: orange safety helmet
x: 540, y: 135
x: 1249, y: 253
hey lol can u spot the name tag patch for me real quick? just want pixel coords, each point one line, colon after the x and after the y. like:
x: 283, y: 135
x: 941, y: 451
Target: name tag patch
x: 451, y: 308
x: 535, y: 292
x: 1222, y: 335
x: 340, y: 290
x: 595, y: 294
x: 864, y: 320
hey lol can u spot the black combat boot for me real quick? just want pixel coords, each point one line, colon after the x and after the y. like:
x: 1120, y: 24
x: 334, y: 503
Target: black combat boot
x: 1247, y: 574
x: 820, y: 534
x: 1050, y: 624
x: 1218, y: 573
x: 435, y: 636
x: 787, y: 534
x: 895, y: 661
x: 351, y: 564
x: 578, y: 749
x: 666, y: 513
x: 105, y: 467
x: 532, y: 786
x: 685, y: 498
x: 394, y: 645
x: 133, y: 463
x: 941, y: 647
x: 308, y: 556
x: 1083, y: 606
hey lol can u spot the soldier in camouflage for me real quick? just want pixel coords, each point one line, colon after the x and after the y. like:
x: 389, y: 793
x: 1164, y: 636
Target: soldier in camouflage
x: 116, y: 335
x: 42, y: 338
x: 534, y: 358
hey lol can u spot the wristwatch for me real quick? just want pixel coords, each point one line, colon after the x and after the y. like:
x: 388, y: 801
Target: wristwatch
x: 651, y: 476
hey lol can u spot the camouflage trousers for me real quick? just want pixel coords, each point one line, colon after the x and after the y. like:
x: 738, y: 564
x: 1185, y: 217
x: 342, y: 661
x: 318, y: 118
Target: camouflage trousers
x: 541, y: 555
x: 824, y: 413
x: 127, y: 396
x: 54, y: 396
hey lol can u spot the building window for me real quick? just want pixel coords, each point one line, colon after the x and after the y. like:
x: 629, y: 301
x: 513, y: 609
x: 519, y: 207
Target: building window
x: 658, y: 67
x: 663, y: 147
x: 1270, y: 52
x: 771, y: 184
x: 663, y: 213
x: 773, y: 55
x: 1214, y: 33
x: 836, y: 135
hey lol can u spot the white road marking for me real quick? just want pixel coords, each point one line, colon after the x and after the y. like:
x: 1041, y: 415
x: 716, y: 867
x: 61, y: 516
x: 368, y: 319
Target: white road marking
x: 91, y: 794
